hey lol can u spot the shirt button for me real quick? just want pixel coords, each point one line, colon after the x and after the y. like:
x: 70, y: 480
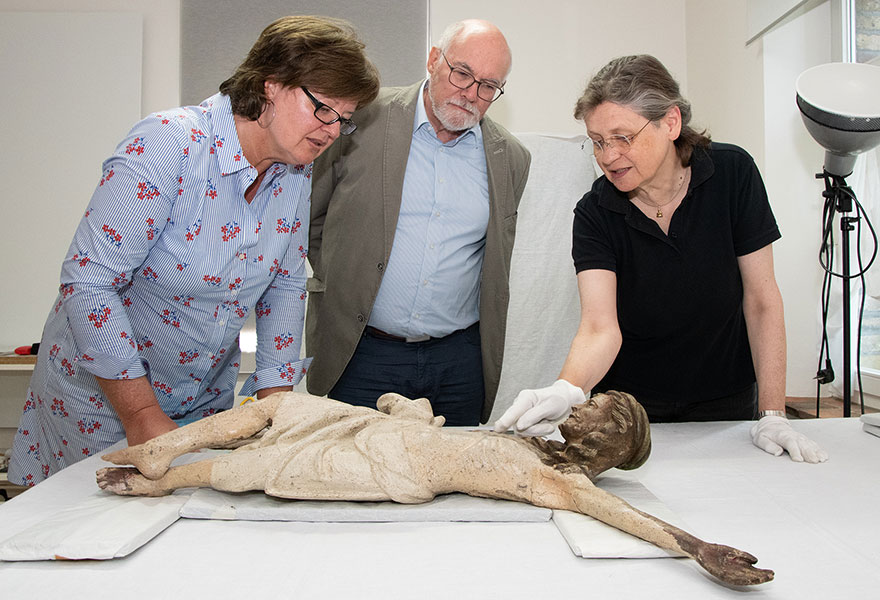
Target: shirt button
x: 380, y: 266
x: 425, y: 282
x: 242, y: 256
x: 432, y: 246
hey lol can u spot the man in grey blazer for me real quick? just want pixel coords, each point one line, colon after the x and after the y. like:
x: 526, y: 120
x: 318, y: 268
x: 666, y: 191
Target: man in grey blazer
x: 412, y: 227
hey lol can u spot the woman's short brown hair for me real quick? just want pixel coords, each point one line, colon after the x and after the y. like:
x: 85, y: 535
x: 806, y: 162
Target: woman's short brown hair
x: 320, y: 53
x: 641, y: 83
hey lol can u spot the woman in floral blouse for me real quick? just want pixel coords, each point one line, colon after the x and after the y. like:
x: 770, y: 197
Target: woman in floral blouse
x: 200, y: 217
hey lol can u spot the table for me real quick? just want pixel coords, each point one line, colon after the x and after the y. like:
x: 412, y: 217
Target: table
x: 815, y: 525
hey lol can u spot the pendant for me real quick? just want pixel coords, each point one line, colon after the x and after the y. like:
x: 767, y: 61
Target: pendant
x: 659, y: 214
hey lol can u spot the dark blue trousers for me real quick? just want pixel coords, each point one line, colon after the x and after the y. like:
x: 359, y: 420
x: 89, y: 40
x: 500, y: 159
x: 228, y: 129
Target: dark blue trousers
x: 448, y: 371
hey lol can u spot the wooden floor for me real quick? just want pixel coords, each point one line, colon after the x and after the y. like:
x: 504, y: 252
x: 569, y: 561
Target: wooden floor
x: 805, y: 408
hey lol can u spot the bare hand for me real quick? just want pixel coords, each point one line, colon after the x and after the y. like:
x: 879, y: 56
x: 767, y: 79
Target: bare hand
x: 731, y: 565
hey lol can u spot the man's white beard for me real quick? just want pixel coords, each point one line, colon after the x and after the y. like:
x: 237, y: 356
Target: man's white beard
x: 452, y: 118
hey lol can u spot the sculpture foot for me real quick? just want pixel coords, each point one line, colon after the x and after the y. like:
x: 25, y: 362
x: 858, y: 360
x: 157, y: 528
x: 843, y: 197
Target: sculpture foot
x: 126, y: 481
x: 144, y: 457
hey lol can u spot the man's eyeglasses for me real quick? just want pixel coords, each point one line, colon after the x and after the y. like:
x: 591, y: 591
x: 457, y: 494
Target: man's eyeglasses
x: 328, y: 116
x: 621, y: 143
x: 463, y: 80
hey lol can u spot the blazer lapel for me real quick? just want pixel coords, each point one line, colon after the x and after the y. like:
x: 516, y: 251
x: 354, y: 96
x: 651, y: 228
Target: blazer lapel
x: 399, y: 127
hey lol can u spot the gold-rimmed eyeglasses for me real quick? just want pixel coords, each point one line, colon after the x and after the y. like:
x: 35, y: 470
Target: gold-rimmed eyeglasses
x: 621, y: 143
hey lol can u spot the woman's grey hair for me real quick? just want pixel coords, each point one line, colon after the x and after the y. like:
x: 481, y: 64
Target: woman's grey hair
x: 641, y: 83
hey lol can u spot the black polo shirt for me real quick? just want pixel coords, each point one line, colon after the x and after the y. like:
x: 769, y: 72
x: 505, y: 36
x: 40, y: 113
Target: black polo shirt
x: 680, y: 297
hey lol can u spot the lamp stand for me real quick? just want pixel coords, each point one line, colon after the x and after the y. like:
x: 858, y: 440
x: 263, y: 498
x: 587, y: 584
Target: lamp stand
x: 838, y: 192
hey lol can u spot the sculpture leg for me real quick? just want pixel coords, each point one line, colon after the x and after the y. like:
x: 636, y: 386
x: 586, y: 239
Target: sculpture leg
x: 238, y: 471
x: 152, y: 458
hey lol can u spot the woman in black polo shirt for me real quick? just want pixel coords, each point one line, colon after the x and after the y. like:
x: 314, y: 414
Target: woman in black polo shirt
x: 679, y: 302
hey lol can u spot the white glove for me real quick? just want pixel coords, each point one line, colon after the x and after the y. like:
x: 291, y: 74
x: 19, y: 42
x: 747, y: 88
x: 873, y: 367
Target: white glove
x: 538, y: 412
x: 773, y: 434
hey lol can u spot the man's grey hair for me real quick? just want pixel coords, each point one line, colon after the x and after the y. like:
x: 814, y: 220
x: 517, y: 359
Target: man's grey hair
x: 456, y: 29
x: 449, y: 34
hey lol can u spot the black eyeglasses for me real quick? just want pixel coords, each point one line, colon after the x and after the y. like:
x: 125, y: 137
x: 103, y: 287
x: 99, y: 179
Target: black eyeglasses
x: 463, y: 80
x: 328, y: 116
x: 621, y: 143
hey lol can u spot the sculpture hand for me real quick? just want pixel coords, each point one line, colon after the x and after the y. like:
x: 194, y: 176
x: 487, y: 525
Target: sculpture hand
x: 774, y: 434
x: 538, y: 412
x: 731, y: 565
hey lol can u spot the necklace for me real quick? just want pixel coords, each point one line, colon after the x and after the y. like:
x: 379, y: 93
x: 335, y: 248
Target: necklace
x: 659, y: 207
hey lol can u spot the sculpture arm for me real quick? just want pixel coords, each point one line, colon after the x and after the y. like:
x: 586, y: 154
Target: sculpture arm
x: 727, y: 564
x: 507, y: 467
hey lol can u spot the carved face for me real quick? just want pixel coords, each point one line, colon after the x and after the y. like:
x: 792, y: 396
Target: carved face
x: 592, y: 417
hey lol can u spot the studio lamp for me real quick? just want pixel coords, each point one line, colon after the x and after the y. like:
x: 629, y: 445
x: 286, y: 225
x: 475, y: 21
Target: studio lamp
x: 840, y: 107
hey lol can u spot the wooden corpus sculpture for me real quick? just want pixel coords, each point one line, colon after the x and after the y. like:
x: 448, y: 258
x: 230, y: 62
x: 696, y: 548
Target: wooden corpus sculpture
x: 314, y: 448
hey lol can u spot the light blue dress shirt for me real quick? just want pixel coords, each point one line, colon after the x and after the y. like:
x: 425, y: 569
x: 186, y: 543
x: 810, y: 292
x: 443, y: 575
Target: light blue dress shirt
x: 431, y: 284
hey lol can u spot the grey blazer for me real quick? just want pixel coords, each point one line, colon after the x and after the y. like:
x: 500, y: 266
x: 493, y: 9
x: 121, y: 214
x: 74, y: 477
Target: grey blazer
x: 356, y: 193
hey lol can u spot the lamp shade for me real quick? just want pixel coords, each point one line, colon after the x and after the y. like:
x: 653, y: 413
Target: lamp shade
x: 840, y: 107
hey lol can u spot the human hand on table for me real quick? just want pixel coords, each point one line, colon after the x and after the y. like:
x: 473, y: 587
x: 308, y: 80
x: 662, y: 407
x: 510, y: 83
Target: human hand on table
x: 538, y: 412
x: 774, y: 434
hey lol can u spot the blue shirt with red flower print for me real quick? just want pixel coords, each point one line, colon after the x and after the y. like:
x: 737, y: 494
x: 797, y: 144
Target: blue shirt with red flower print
x: 165, y: 266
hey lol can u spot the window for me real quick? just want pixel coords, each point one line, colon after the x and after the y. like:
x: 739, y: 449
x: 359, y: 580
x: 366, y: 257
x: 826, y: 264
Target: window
x: 865, y: 28
x: 867, y: 31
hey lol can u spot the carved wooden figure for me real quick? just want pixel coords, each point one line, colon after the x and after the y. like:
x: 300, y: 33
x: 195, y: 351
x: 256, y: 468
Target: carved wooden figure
x: 315, y: 448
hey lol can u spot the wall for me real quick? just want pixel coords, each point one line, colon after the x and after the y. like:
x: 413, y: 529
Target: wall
x: 725, y: 77
x: 557, y: 49
x: 555, y: 52
x: 396, y: 51
x: 792, y: 159
x: 160, y: 80
x: 69, y: 162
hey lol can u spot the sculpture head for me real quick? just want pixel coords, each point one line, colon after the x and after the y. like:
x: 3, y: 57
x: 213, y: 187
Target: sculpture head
x: 610, y: 429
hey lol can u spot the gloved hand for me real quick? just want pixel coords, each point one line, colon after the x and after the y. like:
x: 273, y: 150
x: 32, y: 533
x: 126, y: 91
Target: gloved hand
x: 773, y: 434
x: 538, y: 412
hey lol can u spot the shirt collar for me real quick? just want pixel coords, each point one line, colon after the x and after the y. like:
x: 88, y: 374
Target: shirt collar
x: 226, y: 144
x: 475, y: 133
x: 702, y: 169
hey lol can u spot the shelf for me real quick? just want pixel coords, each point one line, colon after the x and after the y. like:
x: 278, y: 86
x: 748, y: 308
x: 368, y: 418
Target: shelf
x: 22, y: 363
